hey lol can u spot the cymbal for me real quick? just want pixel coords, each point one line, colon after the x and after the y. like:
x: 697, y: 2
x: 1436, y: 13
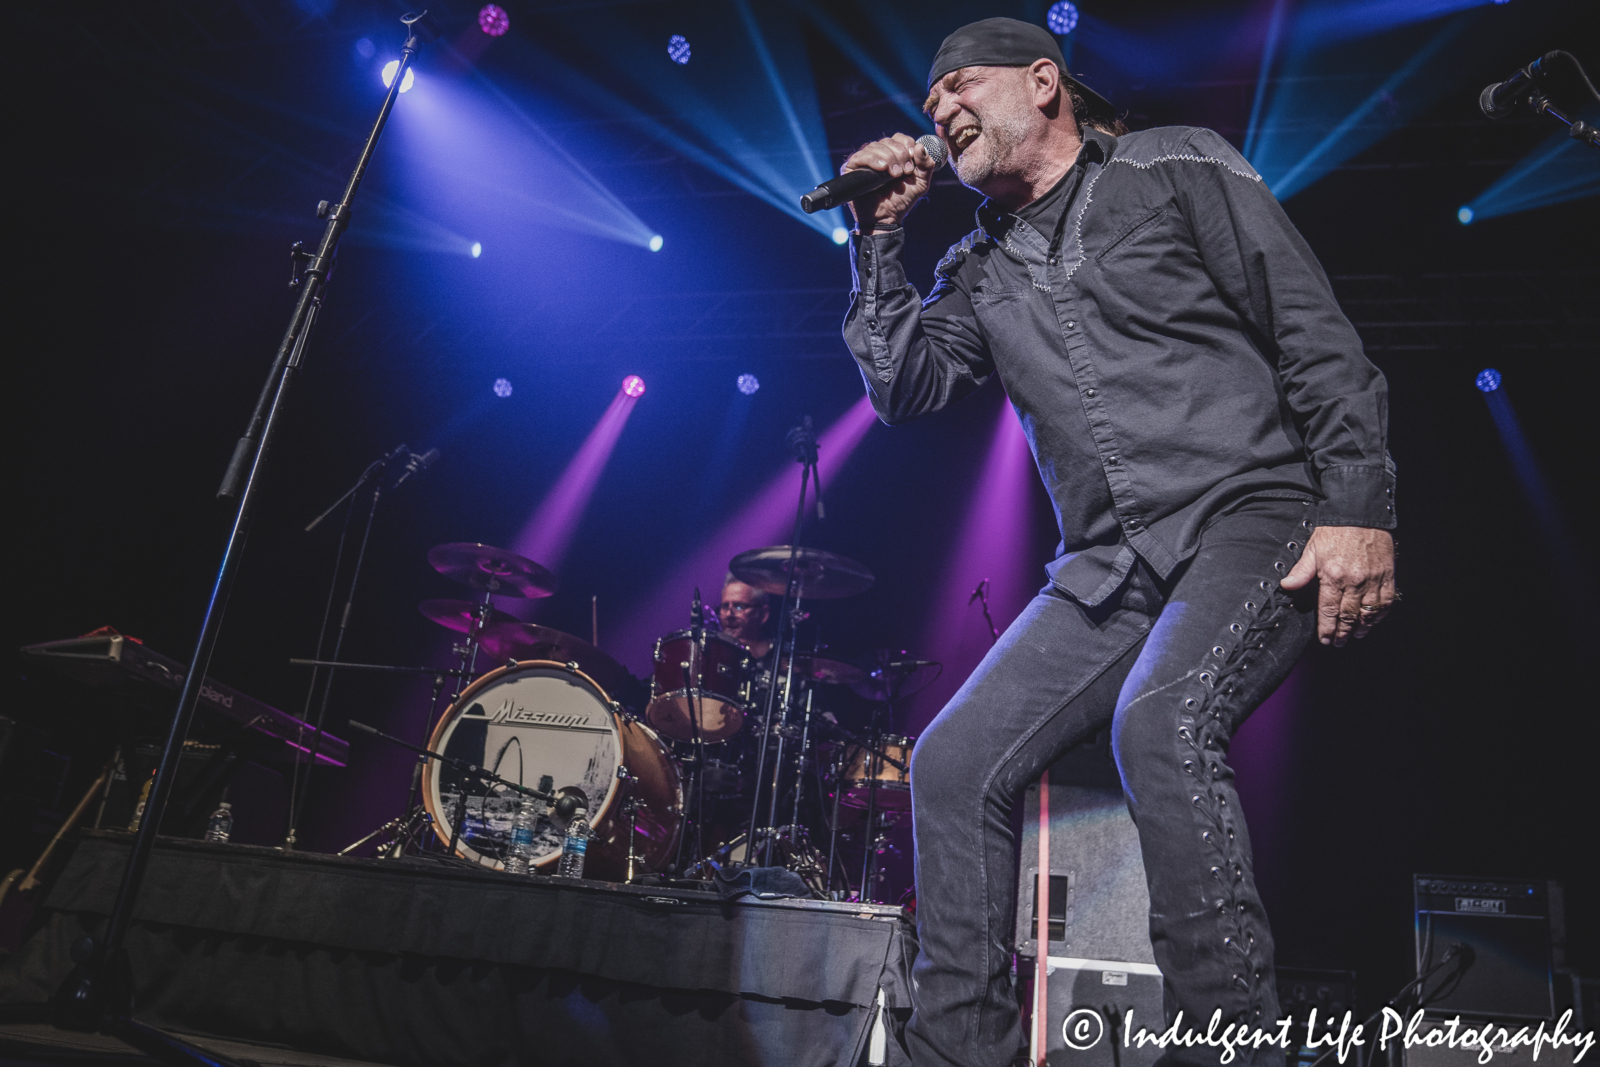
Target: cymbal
x: 892, y: 674
x: 821, y: 575
x: 495, y: 569
x: 457, y: 614
x: 527, y: 640
x: 822, y: 669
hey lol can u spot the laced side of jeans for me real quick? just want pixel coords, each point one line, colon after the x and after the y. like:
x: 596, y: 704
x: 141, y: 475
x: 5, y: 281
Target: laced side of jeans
x: 1210, y: 709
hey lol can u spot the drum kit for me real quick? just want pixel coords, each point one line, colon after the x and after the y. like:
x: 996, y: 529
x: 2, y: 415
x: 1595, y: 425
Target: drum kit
x: 678, y: 779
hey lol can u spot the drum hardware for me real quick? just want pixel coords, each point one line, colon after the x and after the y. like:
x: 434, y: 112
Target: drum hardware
x: 459, y: 764
x: 414, y: 810
x: 513, y: 639
x: 796, y: 573
x: 459, y: 615
x: 494, y: 572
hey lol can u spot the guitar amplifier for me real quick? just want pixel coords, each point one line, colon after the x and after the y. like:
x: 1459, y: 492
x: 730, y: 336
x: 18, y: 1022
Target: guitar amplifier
x: 1513, y: 927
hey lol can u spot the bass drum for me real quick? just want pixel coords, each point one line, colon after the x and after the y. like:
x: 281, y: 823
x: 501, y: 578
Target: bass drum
x: 538, y: 718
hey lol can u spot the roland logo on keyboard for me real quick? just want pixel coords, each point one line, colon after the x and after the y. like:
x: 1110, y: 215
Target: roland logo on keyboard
x: 1481, y: 905
x: 215, y: 697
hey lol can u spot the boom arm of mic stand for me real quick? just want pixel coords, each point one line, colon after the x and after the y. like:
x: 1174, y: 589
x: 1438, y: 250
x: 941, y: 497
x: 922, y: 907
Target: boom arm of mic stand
x: 461, y: 765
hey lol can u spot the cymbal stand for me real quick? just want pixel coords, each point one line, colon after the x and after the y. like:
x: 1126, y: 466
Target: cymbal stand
x: 803, y: 441
x: 875, y: 765
x: 801, y: 756
x: 840, y: 767
x: 98, y: 993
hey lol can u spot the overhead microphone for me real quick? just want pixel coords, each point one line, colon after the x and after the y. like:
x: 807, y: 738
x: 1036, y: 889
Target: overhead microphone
x: 1500, y: 99
x: 417, y: 464
x: 854, y: 184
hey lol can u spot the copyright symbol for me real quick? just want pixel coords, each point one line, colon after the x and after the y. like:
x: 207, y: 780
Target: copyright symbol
x: 1082, y: 1029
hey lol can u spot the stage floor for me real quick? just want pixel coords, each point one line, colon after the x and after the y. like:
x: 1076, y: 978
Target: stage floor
x: 415, y: 962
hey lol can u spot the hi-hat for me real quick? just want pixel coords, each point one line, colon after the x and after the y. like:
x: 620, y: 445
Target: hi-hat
x: 819, y: 575
x: 458, y: 614
x: 496, y: 570
x: 527, y: 640
x: 892, y: 674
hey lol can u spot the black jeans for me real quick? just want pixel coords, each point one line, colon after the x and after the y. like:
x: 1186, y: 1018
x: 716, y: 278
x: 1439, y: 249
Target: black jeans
x: 1173, y: 668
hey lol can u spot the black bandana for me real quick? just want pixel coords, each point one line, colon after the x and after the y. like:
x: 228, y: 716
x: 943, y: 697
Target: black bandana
x: 1001, y: 42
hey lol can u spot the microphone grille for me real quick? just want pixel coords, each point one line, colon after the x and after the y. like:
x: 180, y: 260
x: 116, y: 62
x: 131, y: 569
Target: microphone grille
x: 935, y: 148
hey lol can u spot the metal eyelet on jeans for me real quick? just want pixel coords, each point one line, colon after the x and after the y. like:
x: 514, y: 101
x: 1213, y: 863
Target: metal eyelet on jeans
x: 1205, y: 677
x: 1278, y: 567
x: 1236, y: 629
x: 1294, y: 546
x: 1249, y: 605
x: 1191, y: 704
x: 1216, y: 650
x: 1266, y: 585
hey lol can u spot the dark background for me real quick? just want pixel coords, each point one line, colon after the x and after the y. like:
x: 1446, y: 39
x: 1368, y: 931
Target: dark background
x: 164, y: 162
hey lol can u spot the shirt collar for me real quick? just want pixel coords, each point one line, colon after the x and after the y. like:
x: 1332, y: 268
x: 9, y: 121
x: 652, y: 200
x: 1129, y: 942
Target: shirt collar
x: 1097, y: 148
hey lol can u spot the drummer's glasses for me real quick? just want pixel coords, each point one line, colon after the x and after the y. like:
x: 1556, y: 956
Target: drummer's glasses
x: 733, y: 607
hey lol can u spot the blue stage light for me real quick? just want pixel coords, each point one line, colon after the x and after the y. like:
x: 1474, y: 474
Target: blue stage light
x: 477, y: 249
x: 502, y: 387
x: 1488, y: 380
x: 1464, y: 214
x: 365, y: 48
x: 748, y: 384
x: 388, y: 75
x: 678, y: 48
x: 656, y: 243
x: 1062, y: 18
x: 840, y: 235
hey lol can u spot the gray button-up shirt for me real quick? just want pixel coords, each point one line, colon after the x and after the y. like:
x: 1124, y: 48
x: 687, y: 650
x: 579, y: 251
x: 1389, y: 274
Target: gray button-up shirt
x: 1180, y: 349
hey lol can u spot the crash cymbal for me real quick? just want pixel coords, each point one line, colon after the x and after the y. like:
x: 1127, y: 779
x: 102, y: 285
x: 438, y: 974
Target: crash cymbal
x: 823, y: 669
x: 891, y: 674
x: 822, y: 575
x: 495, y: 569
x: 457, y: 614
x: 527, y: 640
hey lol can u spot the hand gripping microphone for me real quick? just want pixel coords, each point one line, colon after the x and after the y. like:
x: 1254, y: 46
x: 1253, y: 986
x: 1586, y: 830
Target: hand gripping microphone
x: 854, y: 184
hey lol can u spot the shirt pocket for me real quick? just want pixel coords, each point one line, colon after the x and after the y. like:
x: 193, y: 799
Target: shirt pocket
x: 1146, y: 230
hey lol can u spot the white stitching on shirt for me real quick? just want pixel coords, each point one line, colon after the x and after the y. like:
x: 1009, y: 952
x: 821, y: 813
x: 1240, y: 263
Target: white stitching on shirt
x: 1042, y: 287
x: 1182, y: 157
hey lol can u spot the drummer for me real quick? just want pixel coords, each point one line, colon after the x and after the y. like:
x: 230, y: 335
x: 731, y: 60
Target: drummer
x: 744, y: 612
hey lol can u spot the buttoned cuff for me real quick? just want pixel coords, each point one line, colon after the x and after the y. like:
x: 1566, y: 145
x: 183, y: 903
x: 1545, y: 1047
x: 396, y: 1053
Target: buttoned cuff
x: 875, y: 265
x: 1357, y: 496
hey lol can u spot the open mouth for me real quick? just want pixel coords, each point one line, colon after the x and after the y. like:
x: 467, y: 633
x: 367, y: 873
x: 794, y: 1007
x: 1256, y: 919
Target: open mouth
x: 962, y: 139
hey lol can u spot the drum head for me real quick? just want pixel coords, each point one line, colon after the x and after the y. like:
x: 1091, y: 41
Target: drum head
x: 522, y: 722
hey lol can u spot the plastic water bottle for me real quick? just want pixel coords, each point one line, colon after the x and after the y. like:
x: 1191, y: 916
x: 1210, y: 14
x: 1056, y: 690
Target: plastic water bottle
x: 522, y: 828
x: 220, y: 827
x: 575, y: 845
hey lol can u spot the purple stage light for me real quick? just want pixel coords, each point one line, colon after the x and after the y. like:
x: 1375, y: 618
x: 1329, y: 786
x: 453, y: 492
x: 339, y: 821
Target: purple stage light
x: 748, y: 384
x: 633, y: 385
x: 1488, y: 380
x: 365, y: 48
x: 1062, y: 18
x: 766, y: 520
x: 502, y: 387
x: 548, y: 535
x: 996, y: 545
x: 493, y: 20
x: 678, y: 48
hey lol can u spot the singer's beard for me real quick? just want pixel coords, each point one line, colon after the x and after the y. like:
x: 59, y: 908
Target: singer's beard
x: 1003, y: 130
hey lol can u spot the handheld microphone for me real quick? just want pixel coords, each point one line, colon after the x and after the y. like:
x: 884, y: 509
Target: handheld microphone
x: 854, y: 184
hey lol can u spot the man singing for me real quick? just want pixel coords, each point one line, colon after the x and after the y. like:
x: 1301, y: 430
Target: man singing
x: 1213, y: 439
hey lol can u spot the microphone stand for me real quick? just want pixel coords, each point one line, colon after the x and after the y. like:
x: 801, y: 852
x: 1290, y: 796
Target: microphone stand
x: 803, y: 441
x: 98, y: 993
x: 299, y: 787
